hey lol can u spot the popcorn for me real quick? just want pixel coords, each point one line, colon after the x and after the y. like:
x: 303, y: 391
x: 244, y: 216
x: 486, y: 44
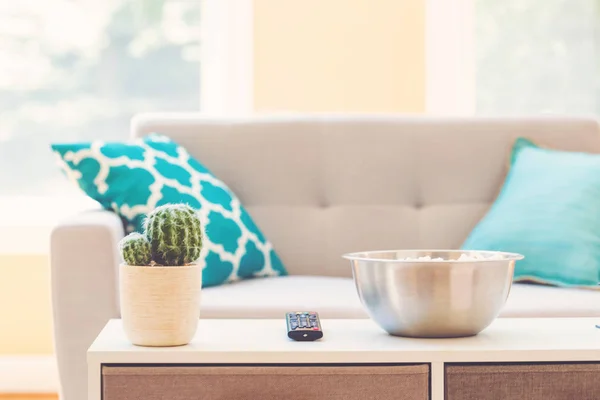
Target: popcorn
x: 463, y: 257
x: 476, y: 256
x: 424, y: 258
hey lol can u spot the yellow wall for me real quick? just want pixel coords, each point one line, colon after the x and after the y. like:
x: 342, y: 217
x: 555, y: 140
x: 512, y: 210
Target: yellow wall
x: 25, y: 305
x: 361, y: 56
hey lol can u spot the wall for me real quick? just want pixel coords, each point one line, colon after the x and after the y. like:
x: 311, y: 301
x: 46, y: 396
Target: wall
x: 339, y: 56
x: 25, y: 311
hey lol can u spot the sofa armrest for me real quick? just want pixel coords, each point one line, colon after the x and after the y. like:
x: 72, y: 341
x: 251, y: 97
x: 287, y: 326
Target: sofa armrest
x: 84, y: 263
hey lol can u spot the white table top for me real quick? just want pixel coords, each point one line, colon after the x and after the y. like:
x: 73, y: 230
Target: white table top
x: 360, y: 341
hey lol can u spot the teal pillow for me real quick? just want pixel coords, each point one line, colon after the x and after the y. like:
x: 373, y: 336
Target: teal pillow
x: 548, y: 210
x: 132, y: 178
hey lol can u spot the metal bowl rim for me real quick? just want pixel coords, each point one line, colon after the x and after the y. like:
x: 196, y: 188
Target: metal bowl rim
x: 355, y: 255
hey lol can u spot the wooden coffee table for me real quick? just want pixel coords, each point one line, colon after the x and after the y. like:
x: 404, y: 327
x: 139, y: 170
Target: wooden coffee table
x: 253, y: 359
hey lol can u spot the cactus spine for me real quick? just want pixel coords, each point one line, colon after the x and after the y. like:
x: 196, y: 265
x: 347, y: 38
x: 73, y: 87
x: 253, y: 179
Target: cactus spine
x: 135, y: 249
x: 175, y: 234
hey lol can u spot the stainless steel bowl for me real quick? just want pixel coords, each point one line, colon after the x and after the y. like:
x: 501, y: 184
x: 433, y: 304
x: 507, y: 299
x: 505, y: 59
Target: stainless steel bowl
x: 435, y: 299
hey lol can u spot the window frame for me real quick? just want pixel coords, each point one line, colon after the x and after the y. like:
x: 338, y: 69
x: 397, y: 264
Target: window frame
x: 227, y: 59
x: 450, y: 57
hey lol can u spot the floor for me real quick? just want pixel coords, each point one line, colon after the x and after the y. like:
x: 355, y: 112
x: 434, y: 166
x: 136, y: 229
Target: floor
x: 20, y: 396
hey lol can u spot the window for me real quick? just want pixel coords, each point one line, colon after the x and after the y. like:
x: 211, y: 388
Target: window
x: 513, y: 57
x: 77, y: 70
x: 537, y: 56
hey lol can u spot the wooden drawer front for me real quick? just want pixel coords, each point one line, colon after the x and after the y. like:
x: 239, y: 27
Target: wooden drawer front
x: 523, y: 381
x: 406, y: 382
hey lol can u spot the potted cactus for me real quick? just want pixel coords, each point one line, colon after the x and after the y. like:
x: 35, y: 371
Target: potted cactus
x: 159, y: 281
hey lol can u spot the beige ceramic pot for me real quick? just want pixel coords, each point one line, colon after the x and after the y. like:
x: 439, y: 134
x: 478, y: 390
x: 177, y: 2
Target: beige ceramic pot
x: 160, y: 306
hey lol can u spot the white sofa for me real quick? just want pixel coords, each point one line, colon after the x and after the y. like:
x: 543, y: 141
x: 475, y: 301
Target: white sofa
x: 318, y: 187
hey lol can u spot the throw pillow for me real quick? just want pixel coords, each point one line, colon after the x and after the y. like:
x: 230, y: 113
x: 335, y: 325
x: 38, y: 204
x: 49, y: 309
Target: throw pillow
x: 132, y: 178
x: 548, y: 210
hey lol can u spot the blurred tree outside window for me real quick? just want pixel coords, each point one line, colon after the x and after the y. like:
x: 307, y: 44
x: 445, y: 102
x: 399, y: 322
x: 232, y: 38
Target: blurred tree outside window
x: 78, y: 70
x: 537, y: 57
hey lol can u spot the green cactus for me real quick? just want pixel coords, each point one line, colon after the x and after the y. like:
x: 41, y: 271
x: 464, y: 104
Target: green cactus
x: 175, y: 234
x: 135, y: 249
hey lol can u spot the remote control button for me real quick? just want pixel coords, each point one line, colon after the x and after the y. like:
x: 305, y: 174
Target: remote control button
x: 294, y: 327
x: 312, y: 316
x: 315, y: 329
x: 313, y: 324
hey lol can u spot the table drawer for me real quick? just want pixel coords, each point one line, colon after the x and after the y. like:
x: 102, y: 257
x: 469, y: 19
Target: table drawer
x: 398, y: 382
x: 548, y: 381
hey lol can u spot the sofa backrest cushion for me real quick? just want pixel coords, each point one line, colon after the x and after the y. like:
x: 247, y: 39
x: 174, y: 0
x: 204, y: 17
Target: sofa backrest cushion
x: 321, y: 186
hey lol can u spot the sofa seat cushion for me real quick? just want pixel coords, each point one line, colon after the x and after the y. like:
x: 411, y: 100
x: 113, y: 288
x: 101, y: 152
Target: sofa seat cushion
x: 334, y: 297
x: 331, y: 297
x: 530, y: 300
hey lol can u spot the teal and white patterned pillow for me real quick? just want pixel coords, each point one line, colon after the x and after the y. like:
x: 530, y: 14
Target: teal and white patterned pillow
x: 132, y: 178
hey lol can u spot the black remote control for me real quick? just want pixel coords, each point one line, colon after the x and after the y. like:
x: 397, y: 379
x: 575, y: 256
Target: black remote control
x: 303, y: 326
